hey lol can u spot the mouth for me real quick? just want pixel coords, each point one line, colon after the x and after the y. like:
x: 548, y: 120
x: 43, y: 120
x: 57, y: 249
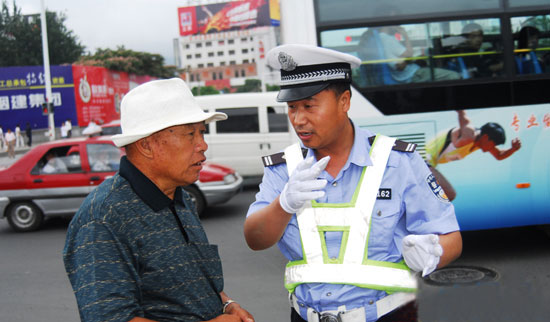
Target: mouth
x: 199, y: 163
x: 304, y: 135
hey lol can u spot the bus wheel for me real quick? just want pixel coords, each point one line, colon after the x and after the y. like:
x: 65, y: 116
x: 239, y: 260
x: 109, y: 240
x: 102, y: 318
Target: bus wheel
x: 25, y: 216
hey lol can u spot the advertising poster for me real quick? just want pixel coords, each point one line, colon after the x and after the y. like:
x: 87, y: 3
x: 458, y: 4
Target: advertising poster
x: 23, y: 91
x: 236, y: 15
x: 499, y: 175
x: 98, y: 93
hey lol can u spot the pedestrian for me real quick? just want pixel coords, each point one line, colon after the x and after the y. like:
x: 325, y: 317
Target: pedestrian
x: 69, y: 128
x: 19, y: 143
x: 359, y: 215
x: 1, y: 139
x: 63, y: 130
x: 28, y: 132
x: 10, y: 141
x: 136, y: 249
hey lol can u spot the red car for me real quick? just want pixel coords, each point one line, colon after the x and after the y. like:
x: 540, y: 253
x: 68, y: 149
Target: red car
x: 54, y: 178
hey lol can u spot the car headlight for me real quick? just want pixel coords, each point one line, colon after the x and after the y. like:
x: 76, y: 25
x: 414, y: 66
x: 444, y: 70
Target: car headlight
x: 229, y: 178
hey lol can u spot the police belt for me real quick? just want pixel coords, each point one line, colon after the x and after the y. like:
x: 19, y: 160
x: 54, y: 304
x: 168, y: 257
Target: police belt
x: 383, y: 306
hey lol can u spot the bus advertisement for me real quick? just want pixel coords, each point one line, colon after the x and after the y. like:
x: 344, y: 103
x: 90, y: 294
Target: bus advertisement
x: 468, y: 82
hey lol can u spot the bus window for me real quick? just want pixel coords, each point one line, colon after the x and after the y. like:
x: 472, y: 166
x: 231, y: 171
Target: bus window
x: 527, y: 3
x: 471, y: 47
x: 531, y: 44
x: 330, y: 11
x: 425, y: 52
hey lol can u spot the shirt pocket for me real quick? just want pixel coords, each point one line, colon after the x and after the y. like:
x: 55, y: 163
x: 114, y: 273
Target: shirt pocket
x: 385, y: 216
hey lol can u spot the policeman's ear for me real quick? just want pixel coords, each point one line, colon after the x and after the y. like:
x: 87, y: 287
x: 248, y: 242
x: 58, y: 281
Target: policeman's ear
x: 344, y: 101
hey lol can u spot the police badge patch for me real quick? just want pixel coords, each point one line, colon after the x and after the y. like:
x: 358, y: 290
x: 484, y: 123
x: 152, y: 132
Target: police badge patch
x: 287, y: 62
x: 436, y: 188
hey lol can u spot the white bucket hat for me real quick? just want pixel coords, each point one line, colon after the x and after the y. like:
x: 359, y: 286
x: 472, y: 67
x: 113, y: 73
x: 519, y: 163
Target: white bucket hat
x: 157, y: 105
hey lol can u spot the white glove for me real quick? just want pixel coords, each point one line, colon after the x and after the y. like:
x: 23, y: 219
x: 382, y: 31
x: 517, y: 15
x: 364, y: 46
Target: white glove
x: 422, y: 252
x: 303, y: 185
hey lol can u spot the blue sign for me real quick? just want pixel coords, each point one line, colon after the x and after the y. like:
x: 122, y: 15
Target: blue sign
x: 23, y: 91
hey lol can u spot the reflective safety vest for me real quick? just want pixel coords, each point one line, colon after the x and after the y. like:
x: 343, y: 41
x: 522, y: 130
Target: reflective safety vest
x: 353, y: 219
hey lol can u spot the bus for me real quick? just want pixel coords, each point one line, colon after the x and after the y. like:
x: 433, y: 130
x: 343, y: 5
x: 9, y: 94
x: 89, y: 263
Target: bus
x: 432, y: 66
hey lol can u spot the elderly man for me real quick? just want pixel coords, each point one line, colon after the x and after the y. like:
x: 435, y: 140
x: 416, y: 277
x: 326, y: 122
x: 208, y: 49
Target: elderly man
x: 136, y: 250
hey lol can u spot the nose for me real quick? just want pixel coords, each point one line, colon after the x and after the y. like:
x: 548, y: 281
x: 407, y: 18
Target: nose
x: 298, y: 117
x: 201, y: 145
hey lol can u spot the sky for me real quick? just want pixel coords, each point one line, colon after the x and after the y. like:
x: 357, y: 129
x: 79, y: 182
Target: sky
x: 140, y: 25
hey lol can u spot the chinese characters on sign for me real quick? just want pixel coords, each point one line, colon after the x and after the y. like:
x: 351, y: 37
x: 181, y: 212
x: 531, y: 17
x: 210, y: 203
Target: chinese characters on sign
x: 23, y: 101
x: 531, y: 122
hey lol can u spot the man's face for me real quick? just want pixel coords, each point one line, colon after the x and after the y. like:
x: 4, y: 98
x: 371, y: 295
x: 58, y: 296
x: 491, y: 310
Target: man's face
x: 475, y: 39
x: 318, y: 120
x: 179, y: 151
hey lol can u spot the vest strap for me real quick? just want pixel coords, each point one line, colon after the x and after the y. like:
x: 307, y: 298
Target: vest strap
x: 383, y: 278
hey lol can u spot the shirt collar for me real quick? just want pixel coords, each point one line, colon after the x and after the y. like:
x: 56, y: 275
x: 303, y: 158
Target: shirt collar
x: 145, y: 188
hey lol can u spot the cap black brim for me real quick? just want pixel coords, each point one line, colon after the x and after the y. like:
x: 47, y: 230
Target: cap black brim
x: 300, y: 93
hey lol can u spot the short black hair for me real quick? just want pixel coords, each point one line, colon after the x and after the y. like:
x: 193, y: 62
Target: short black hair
x: 495, y: 132
x: 339, y: 88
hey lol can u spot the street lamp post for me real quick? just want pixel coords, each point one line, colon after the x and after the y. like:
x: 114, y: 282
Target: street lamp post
x: 47, y: 77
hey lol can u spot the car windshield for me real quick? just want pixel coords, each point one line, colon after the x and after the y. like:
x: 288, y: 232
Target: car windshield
x: 103, y: 157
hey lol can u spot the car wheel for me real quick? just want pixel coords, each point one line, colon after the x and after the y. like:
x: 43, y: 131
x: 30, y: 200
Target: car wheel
x: 25, y: 216
x: 197, y: 198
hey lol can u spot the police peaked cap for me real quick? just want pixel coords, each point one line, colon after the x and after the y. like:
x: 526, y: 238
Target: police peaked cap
x: 306, y: 70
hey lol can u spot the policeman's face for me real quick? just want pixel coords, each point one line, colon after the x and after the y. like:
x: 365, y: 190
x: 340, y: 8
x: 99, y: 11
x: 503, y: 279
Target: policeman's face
x: 319, y: 120
x: 179, y: 153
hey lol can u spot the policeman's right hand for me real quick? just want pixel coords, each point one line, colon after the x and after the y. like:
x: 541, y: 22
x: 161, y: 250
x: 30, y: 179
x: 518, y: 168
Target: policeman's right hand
x: 303, y: 185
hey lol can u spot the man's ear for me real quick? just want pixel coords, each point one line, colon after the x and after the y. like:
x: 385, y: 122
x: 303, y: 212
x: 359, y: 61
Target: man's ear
x: 344, y: 101
x: 145, y: 147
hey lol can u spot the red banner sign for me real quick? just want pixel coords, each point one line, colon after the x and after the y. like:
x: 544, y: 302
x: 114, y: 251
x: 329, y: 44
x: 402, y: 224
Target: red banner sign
x: 236, y: 15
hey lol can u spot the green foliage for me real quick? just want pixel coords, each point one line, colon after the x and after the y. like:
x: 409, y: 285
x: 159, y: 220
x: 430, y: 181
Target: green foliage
x: 21, y: 39
x: 204, y: 90
x: 126, y: 60
x: 250, y: 85
x: 272, y: 88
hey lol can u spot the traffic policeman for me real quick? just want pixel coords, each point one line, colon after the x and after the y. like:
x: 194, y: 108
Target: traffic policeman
x: 356, y: 214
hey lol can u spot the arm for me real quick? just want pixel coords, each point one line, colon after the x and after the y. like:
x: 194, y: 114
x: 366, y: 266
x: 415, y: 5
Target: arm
x: 465, y: 133
x: 452, y: 248
x: 503, y: 154
x: 265, y: 227
x: 232, y: 311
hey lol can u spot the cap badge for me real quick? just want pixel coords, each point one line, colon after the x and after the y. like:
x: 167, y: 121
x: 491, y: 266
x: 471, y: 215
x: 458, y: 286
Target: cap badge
x: 287, y: 63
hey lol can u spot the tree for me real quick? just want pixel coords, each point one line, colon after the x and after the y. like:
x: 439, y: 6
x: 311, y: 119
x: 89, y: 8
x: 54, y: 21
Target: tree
x: 204, y: 90
x: 126, y: 60
x: 250, y: 85
x: 21, y: 39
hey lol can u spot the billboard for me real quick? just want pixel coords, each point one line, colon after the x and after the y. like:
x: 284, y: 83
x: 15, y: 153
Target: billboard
x: 23, y: 90
x: 98, y: 92
x: 219, y: 17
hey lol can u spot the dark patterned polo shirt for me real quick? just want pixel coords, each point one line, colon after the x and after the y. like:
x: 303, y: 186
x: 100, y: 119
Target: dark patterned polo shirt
x: 127, y: 254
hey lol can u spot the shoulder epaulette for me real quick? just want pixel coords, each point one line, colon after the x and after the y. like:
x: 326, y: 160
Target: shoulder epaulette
x: 277, y: 158
x: 399, y: 145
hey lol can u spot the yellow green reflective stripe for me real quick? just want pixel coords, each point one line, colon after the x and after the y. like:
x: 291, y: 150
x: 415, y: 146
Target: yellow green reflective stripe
x: 343, y: 243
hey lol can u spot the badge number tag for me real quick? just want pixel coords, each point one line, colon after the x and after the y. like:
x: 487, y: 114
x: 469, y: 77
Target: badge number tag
x: 384, y: 193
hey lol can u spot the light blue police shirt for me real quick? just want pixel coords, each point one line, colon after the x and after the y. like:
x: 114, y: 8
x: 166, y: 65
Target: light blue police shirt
x: 413, y: 207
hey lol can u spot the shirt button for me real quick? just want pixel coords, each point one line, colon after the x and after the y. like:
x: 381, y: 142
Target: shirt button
x: 334, y: 184
x: 371, y: 302
x: 379, y: 213
x: 329, y: 294
x: 302, y: 304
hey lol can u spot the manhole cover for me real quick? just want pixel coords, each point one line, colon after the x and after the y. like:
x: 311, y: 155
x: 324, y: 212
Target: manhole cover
x: 461, y: 275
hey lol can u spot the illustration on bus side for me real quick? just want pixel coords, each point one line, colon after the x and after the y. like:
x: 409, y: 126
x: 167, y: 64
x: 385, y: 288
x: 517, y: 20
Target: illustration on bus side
x: 458, y: 142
